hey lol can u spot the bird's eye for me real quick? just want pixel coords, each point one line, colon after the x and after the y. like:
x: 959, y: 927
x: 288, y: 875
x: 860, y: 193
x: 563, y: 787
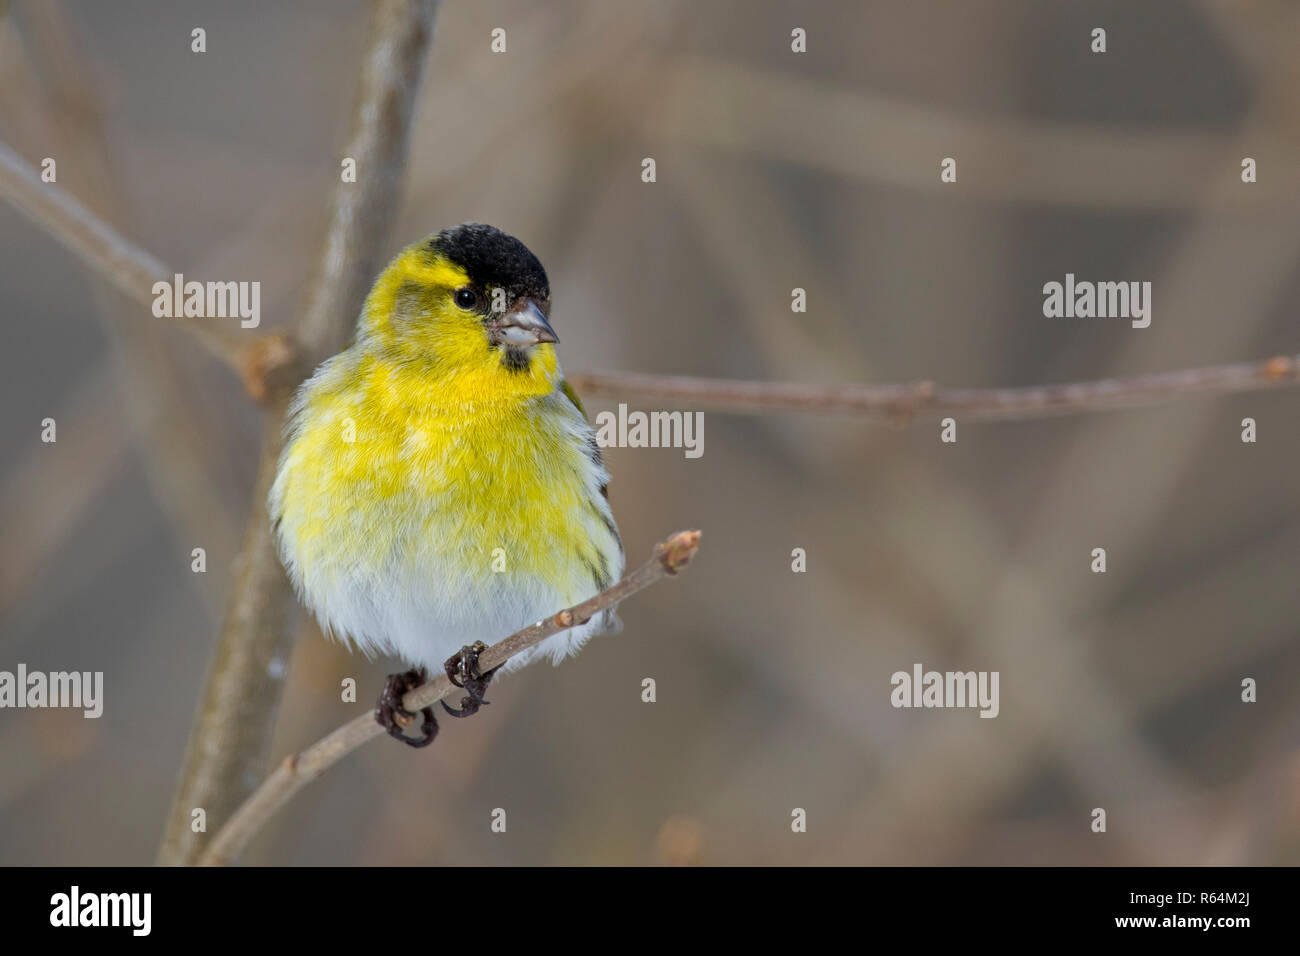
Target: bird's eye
x: 466, y: 298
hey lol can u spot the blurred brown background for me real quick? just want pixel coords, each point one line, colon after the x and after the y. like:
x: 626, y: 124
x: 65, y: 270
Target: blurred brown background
x: 775, y: 170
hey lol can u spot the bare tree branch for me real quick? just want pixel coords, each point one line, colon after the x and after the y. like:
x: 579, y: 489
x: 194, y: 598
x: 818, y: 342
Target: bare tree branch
x: 132, y: 270
x: 902, y: 403
x: 272, y: 362
x: 298, y: 770
x: 230, y: 741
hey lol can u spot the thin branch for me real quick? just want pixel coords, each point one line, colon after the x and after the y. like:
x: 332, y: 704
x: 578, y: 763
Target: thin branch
x: 261, y: 362
x: 901, y: 404
x: 298, y: 770
x: 132, y: 270
x: 271, y: 362
x: 230, y: 741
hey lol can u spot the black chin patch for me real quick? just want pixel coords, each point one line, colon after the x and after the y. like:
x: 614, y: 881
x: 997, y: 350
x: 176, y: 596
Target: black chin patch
x: 515, y: 359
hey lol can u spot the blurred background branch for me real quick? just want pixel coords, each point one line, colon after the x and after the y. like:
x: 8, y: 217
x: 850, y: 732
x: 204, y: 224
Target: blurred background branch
x: 232, y: 734
x: 132, y: 270
x: 267, y: 361
x: 818, y: 125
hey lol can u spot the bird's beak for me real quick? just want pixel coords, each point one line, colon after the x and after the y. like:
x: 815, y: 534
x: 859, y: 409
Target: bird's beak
x: 523, y: 325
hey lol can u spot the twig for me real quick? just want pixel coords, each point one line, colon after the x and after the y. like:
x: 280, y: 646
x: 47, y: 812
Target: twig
x: 298, y: 770
x: 271, y: 362
x: 129, y: 268
x: 231, y: 738
x: 903, y: 403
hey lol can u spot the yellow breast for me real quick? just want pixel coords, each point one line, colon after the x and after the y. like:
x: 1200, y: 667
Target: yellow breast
x: 390, y: 472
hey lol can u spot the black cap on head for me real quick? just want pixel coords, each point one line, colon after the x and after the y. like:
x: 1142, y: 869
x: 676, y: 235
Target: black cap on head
x: 493, y: 259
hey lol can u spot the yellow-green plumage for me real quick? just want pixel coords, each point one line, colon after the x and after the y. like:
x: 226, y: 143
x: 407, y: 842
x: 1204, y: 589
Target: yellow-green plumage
x: 438, y: 488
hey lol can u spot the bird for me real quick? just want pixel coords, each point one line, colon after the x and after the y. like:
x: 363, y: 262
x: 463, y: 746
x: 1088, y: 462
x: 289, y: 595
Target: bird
x: 440, y: 486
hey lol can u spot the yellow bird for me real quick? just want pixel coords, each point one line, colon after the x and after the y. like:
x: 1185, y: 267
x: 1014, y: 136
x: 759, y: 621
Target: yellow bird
x: 440, y: 487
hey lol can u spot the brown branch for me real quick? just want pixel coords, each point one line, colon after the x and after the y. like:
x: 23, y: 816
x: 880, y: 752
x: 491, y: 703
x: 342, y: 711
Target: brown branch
x: 271, y: 362
x: 230, y: 742
x: 298, y: 770
x: 903, y: 403
x: 130, y: 269
x: 261, y: 362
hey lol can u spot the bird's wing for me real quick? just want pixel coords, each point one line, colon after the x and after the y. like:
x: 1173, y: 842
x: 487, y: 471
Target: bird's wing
x: 572, y: 396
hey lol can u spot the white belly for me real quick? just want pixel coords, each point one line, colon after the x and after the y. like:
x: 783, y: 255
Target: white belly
x: 424, y: 625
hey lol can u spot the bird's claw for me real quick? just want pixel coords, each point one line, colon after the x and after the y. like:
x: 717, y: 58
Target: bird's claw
x: 462, y: 670
x: 393, y: 717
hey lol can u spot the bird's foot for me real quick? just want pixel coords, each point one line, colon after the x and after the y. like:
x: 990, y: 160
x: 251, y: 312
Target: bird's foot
x: 394, y: 718
x: 462, y: 670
